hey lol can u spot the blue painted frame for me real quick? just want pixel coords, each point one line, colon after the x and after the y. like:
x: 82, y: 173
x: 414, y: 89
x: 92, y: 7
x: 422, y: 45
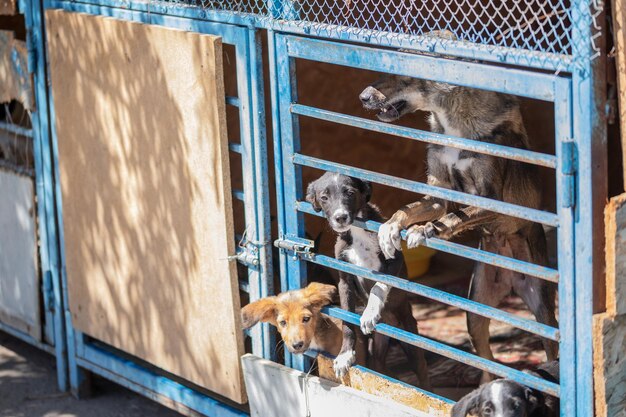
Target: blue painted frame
x: 53, y: 324
x: 85, y: 355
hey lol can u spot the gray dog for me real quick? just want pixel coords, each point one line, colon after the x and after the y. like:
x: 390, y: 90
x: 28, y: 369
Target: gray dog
x: 489, y: 117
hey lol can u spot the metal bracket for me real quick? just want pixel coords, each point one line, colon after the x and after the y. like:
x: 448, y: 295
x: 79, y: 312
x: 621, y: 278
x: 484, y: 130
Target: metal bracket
x: 299, y: 246
x: 569, y: 162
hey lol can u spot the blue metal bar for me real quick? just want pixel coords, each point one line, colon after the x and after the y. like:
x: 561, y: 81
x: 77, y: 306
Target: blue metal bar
x: 235, y: 147
x: 260, y: 278
x: 450, y: 352
x: 244, y: 286
x: 565, y: 246
x: 530, y: 326
x: 232, y: 101
x: 505, y: 80
x: 507, y: 152
x: 239, y: 195
x: 44, y: 155
x: 589, y: 129
x: 17, y: 130
x: 27, y: 338
x: 501, y: 207
x: 149, y: 384
x: 500, y: 261
x: 278, y: 153
x: 429, y: 44
x: 290, y: 143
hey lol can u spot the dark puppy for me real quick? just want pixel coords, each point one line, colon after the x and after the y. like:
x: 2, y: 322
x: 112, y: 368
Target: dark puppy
x: 343, y: 199
x: 506, y: 398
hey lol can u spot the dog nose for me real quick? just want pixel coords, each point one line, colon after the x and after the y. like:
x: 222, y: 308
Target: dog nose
x: 366, y: 95
x: 297, y: 346
x: 341, y: 218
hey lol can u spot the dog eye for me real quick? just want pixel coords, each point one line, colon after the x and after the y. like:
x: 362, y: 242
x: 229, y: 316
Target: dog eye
x: 324, y: 198
x: 306, y: 319
x: 282, y: 323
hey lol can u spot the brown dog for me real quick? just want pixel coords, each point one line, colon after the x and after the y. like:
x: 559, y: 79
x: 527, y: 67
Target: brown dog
x: 298, y: 318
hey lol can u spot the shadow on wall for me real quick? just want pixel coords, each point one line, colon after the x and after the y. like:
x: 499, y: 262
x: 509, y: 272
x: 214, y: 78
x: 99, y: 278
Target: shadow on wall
x: 142, y: 160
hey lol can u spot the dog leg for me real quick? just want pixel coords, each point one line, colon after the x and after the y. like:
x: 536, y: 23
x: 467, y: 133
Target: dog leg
x: 449, y: 225
x: 538, y: 295
x: 428, y: 208
x: 485, y: 288
x: 414, y: 354
x: 375, y: 305
x: 380, y: 349
x: 347, y: 355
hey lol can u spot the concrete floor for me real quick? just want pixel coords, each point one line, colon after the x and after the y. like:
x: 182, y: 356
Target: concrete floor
x: 28, y: 389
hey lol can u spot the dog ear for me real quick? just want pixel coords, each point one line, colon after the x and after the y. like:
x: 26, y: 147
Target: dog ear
x: 534, y: 399
x: 467, y: 405
x: 366, y: 189
x: 311, y: 196
x: 263, y: 310
x: 319, y: 294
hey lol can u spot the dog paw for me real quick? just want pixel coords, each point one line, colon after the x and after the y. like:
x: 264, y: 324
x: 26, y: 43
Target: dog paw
x: 389, y: 239
x: 415, y: 236
x: 371, y: 316
x: 343, y: 362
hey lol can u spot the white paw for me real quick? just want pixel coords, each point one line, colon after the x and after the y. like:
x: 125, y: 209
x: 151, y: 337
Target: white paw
x: 369, y: 320
x: 343, y: 362
x: 389, y: 239
x: 415, y: 236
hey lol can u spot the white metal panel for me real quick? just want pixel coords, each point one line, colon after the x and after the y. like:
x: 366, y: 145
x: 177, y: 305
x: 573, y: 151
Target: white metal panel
x: 277, y: 391
x: 19, y: 278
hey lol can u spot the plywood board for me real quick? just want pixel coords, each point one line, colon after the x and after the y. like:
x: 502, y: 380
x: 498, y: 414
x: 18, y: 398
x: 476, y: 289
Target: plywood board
x: 19, y: 270
x: 374, y: 384
x: 8, y: 7
x: 610, y: 365
x: 147, y: 216
x: 15, y: 80
x: 615, y: 231
x: 277, y: 391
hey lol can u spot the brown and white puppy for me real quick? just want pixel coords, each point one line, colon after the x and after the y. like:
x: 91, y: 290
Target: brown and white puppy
x: 489, y: 117
x: 298, y: 318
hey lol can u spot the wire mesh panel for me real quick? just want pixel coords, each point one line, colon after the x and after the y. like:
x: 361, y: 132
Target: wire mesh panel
x: 526, y: 32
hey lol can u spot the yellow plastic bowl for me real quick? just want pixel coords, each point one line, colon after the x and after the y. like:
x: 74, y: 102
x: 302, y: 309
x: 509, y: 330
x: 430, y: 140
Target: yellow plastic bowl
x: 417, y: 260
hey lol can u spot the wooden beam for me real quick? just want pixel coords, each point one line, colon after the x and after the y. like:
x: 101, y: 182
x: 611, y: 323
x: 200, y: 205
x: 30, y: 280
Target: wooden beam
x: 619, y: 33
x: 374, y: 384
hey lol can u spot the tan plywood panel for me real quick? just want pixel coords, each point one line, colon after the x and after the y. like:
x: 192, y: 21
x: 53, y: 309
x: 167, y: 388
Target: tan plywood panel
x: 143, y: 160
x: 19, y: 267
x: 8, y: 7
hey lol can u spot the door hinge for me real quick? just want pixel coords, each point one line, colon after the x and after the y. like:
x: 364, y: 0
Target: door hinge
x: 297, y: 245
x: 48, y: 291
x: 248, y: 251
x: 569, y: 162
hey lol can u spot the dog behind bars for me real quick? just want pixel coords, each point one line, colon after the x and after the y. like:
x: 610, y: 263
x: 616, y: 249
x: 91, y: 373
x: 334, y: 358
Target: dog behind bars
x: 488, y: 117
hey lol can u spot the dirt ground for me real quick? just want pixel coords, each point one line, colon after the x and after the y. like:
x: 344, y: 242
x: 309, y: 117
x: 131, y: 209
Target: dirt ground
x: 28, y: 389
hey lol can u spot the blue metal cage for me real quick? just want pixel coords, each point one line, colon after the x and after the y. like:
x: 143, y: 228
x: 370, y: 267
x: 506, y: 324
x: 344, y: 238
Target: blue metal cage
x: 548, y: 48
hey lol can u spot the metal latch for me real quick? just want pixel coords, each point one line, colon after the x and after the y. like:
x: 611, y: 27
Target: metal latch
x: 297, y: 245
x: 247, y: 251
x: 569, y: 161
